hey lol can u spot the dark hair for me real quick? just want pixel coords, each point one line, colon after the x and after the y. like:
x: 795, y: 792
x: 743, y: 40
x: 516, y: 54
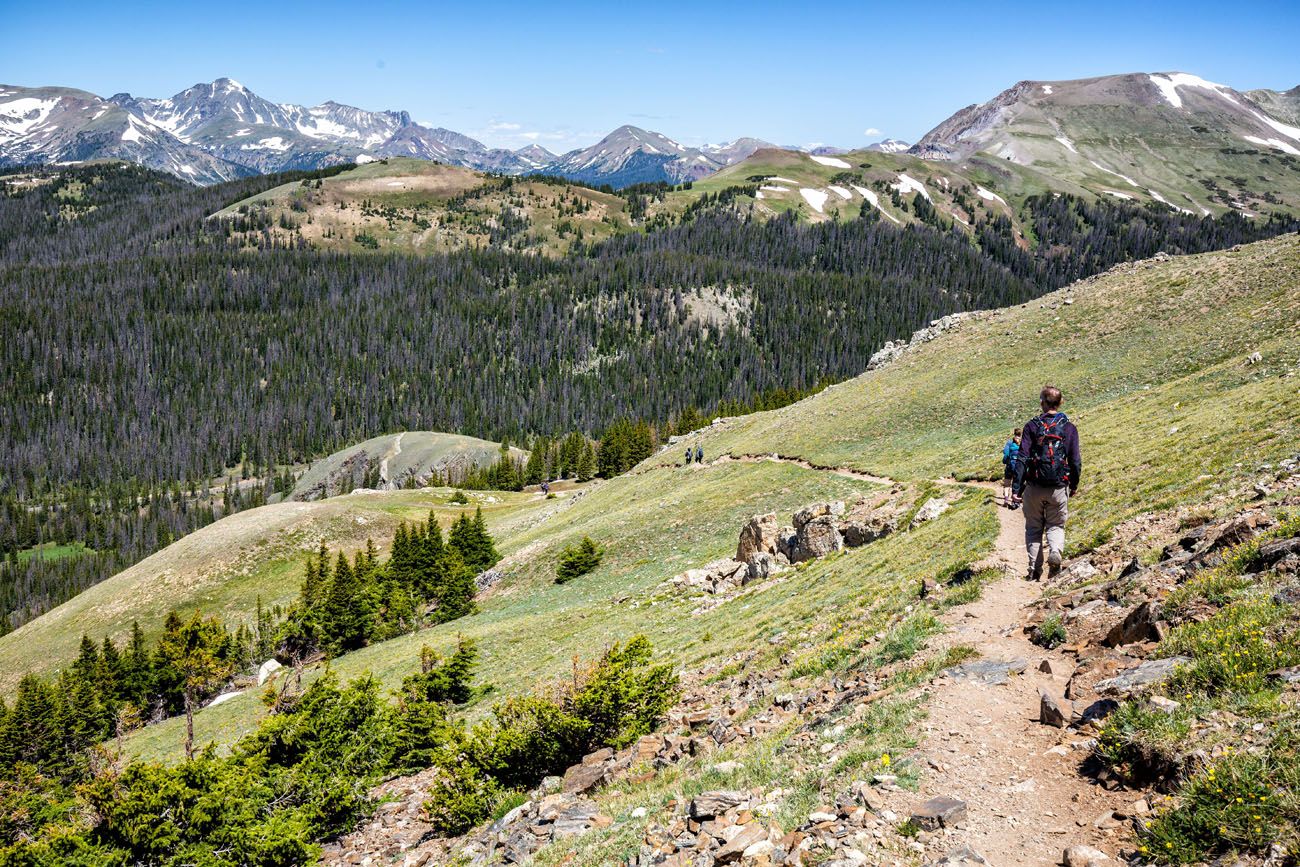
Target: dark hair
x: 1051, y: 397
x: 1016, y: 432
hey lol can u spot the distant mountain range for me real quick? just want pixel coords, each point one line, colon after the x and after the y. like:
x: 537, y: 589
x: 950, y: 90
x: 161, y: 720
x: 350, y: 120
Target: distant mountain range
x: 222, y: 130
x: 1168, y: 137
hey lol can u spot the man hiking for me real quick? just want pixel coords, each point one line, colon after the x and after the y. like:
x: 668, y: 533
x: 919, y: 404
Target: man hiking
x: 1047, y: 468
x: 1009, y: 452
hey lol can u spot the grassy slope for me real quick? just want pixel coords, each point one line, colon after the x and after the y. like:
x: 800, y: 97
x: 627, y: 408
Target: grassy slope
x: 1139, y: 352
x: 1152, y: 360
x: 331, y: 217
x: 224, y: 568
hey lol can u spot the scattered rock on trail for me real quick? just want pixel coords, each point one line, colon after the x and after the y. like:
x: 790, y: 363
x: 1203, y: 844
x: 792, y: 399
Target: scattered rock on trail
x: 1150, y: 672
x: 1052, y: 712
x: 991, y: 672
x: 963, y: 856
x: 1083, y: 856
x: 941, y: 812
x: 1142, y: 624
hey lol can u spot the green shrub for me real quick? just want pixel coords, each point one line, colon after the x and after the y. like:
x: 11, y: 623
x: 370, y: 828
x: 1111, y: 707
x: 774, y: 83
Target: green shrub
x: 1050, y: 633
x: 578, y: 560
x: 459, y: 498
x: 460, y: 797
x: 611, y: 703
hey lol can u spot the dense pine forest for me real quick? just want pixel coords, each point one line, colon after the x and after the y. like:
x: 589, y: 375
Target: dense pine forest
x: 144, y: 354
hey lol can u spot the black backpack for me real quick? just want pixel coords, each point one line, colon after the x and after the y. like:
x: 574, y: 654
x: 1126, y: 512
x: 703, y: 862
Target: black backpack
x: 1049, y: 465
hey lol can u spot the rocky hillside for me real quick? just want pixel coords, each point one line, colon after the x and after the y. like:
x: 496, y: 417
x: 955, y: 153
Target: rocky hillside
x: 395, y: 461
x: 1171, y: 138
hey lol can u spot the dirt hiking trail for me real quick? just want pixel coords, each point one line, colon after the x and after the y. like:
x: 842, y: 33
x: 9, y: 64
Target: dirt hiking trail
x: 984, y: 744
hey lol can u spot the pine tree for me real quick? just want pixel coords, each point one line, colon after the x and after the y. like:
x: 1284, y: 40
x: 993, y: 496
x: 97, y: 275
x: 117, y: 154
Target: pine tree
x: 346, y: 620
x: 585, y: 469
x: 137, y: 676
x: 197, y: 651
x: 456, y: 595
x: 535, y: 469
x: 485, y: 548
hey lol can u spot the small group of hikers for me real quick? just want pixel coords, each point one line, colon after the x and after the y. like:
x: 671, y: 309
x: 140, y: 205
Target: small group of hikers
x: 1043, y: 465
x: 697, y: 453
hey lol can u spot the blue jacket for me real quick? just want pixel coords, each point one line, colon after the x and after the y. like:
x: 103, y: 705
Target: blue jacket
x: 1009, y: 452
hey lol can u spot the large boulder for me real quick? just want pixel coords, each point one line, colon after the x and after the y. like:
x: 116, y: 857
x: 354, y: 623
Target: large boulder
x: 758, y: 536
x: 817, y: 537
x: 763, y: 565
x: 817, y: 510
x: 857, y: 533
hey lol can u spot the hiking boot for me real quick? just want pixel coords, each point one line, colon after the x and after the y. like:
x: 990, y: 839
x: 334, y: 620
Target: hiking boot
x: 1053, y: 570
x: 1034, y: 575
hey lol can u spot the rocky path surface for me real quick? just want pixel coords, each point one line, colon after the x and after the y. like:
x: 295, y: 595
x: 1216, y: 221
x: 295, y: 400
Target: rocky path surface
x: 1027, y: 800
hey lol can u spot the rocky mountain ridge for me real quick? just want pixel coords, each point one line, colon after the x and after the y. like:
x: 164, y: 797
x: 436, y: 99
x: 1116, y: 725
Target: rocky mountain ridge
x: 221, y: 130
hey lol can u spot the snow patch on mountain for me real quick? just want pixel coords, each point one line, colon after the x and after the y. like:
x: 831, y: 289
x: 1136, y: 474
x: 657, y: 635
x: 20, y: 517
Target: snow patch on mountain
x: 20, y: 116
x: 989, y: 196
x: 1069, y: 145
x: 1273, y: 143
x: 1126, y: 178
x: 871, y: 197
x: 1291, y: 131
x: 908, y: 184
x: 815, y: 198
x: 1155, y: 194
x: 1169, y: 84
x: 841, y: 192
x: 833, y: 162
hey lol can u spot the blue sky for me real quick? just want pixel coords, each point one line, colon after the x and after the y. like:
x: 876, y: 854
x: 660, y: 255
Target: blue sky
x: 563, y: 75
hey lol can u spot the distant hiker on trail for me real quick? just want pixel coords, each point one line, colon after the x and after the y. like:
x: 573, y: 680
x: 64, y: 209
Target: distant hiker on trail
x: 688, y: 456
x: 1047, y: 469
x: 1009, y: 452
x: 699, y: 454
x: 546, y: 488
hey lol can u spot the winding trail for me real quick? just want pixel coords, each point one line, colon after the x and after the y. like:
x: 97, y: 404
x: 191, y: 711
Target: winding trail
x: 983, y: 743
x: 393, y: 451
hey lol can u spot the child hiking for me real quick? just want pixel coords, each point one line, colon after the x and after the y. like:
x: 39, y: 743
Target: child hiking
x: 1009, y: 452
x: 1047, y: 469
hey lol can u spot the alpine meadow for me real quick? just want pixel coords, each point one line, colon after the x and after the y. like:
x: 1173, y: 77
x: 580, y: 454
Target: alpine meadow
x: 375, y: 493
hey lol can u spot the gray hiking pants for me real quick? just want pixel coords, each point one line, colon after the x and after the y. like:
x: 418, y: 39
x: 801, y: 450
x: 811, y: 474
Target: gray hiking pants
x: 1045, y: 512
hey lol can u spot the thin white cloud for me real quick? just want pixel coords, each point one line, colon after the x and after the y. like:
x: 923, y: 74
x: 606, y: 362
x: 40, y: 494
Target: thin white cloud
x: 504, y: 126
x: 871, y: 130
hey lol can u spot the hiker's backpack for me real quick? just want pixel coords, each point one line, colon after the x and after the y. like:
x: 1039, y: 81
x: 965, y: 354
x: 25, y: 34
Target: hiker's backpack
x: 1049, y: 465
x: 1010, y: 452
